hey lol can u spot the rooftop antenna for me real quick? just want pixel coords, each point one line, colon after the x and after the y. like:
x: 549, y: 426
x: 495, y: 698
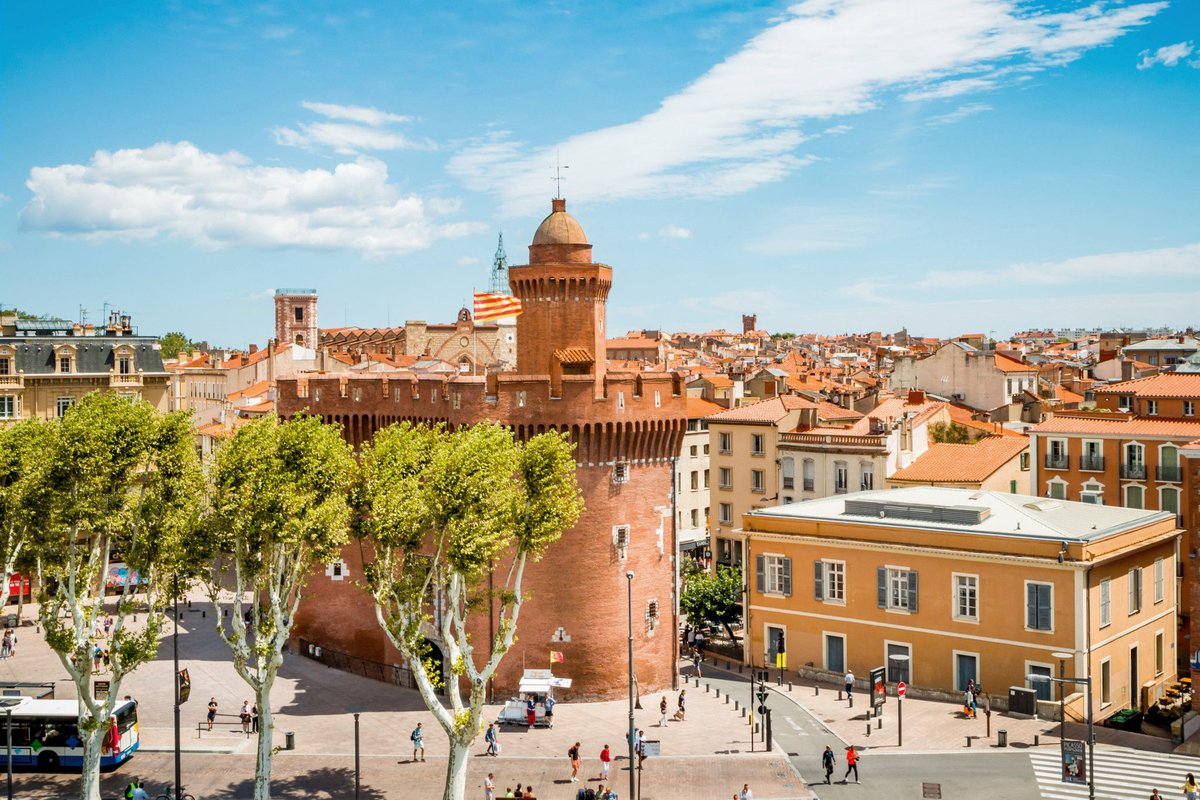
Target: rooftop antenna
x: 558, y: 178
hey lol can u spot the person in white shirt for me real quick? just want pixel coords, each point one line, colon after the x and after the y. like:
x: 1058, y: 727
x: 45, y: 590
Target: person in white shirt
x: 746, y: 793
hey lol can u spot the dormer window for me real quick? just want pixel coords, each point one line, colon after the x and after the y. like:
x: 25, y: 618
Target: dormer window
x: 64, y: 363
x: 5, y: 365
x: 64, y: 359
x: 125, y: 365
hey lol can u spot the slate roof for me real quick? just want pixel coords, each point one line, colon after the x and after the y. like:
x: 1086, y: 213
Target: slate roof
x: 93, y: 354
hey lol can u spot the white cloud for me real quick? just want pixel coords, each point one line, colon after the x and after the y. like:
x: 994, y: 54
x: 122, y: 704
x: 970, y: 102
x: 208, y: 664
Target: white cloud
x: 362, y: 129
x: 959, y: 114
x: 276, y: 32
x: 467, y: 261
x: 837, y: 130
x: 740, y: 124
x: 1083, y: 271
x: 217, y: 200
x: 675, y: 232
x: 1168, y: 56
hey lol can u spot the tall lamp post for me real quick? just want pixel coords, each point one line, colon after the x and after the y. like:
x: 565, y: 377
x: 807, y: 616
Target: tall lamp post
x: 175, y: 652
x: 1062, y: 703
x: 903, y: 659
x: 1091, y: 736
x: 632, y: 731
x: 8, y: 704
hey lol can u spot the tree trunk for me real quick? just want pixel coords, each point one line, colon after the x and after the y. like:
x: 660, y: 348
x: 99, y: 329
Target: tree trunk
x: 456, y: 770
x: 266, y: 731
x: 89, y: 781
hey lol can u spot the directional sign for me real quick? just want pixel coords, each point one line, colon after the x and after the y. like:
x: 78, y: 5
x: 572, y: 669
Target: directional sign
x: 762, y: 696
x: 901, y: 689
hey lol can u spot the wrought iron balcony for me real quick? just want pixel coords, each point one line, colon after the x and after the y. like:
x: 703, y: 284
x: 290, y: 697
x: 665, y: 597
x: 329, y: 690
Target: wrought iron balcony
x: 1174, y: 474
x: 1136, y: 472
x: 1057, y: 462
x: 1091, y: 463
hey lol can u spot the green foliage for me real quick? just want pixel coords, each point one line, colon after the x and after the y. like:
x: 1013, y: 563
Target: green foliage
x: 26, y: 498
x: 713, y: 599
x: 949, y: 433
x: 174, y: 343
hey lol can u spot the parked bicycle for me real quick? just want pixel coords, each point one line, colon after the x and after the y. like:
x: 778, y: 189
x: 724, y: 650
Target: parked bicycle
x: 168, y: 794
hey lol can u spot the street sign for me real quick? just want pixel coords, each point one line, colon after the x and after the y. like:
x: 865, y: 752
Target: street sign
x: 651, y: 748
x: 762, y: 695
x: 100, y: 689
x: 185, y: 686
x: 762, y: 709
x: 901, y: 689
x: 1074, y: 762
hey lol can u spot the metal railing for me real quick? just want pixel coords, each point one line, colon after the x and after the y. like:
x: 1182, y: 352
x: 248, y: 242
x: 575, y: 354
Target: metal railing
x: 375, y: 670
x: 1168, y: 473
x: 1091, y: 463
x: 808, y: 484
x: 1133, y: 471
x: 1057, y: 462
x: 789, y: 483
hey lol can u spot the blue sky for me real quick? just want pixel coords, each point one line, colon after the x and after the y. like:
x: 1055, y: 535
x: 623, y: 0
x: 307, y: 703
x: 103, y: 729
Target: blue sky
x: 833, y: 165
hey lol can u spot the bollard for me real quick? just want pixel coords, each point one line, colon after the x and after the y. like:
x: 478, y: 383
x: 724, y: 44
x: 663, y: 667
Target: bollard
x: 1002, y: 738
x: 718, y: 693
x: 839, y: 695
x: 968, y: 741
x: 851, y: 699
x: 789, y: 686
x: 1036, y: 740
x: 289, y: 740
x: 189, y: 602
x: 736, y: 705
x: 878, y: 723
x: 868, y: 730
x: 706, y: 688
x: 816, y: 691
x: 743, y: 713
x: 739, y: 669
x: 203, y: 614
x: 726, y: 698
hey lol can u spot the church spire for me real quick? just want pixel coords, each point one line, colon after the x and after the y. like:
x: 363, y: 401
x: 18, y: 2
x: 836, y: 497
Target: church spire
x: 500, y: 269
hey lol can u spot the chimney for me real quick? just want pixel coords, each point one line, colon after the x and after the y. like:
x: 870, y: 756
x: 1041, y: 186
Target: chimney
x: 916, y: 397
x: 253, y: 349
x: 1126, y: 369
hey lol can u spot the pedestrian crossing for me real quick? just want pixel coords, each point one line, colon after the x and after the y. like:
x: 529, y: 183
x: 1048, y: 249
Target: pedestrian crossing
x: 1119, y: 774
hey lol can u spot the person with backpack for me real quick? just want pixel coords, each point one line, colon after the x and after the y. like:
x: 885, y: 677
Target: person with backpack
x: 418, y: 740
x: 828, y: 759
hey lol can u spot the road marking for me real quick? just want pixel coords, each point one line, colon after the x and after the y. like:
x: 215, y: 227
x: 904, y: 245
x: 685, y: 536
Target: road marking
x: 1119, y: 774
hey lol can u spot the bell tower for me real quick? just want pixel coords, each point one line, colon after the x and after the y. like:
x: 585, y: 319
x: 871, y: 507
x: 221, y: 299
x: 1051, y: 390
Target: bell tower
x: 296, y: 317
x: 561, y: 330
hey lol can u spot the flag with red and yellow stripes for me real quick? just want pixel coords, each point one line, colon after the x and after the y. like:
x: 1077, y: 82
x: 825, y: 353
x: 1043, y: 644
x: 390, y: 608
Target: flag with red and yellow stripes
x: 495, y: 306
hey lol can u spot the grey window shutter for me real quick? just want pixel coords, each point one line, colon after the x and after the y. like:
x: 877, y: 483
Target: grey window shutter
x: 787, y: 577
x: 760, y: 574
x: 912, y: 591
x: 1044, y: 623
x: 819, y: 579
x: 882, y: 575
x: 1030, y: 605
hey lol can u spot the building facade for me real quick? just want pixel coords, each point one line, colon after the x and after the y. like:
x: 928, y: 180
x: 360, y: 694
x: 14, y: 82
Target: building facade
x: 693, y: 482
x: 968, y: 585
x: 627, y: 428
x: 981, y: 379
x: 48, y: 365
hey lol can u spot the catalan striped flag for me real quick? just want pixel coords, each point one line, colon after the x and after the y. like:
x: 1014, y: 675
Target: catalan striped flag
x: 495, y: 306
x: 556, y: 657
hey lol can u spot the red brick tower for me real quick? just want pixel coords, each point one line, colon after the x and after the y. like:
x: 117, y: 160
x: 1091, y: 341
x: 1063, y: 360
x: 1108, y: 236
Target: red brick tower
x: 626, y: 426
x: 296, y: 317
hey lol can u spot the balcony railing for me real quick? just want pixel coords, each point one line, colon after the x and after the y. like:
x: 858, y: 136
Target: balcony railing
x: 840, y: 489
x: 1136, y: 472
x: 808, y: 484
x: 12, y: 381
x: 1057, y: 462
x: 126, y: 379
x: 1168, y: 473
x: 789, y: 483
x: 1091, y: 463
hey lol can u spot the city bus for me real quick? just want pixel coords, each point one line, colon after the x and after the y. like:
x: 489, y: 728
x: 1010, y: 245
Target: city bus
x: 45, y: 734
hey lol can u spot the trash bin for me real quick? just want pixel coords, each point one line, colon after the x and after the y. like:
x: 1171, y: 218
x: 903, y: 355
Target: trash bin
x: 289, y: 739
x: 1002, y: 738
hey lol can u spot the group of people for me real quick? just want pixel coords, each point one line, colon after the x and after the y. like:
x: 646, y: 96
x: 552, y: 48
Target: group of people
x: 971, y: 699
x: 8, y: 644
x: 829, y: 763
x: 489, y: 790
x: 680, y: 711
x: 248, y: 715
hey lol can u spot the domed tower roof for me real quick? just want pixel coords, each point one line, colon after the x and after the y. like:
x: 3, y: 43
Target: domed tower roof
x: 560, y: 227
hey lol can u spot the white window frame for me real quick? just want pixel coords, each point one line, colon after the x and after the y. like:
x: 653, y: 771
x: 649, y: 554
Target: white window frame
x: 1160, y: 652
x: 622, y: 535
x: 1044, y: 665
x: 724, y: 442
x: 866, y: 475
x: 954, y: 595
x: 894, y: 576
x: 1159, y: 583
x: 1025, y: 606
x: 725, y: 519
x: 1104, y: 616
x: 1056, y: 482
x: 11, y: 412
x: 1092, y: 489
x: 1134, y: 590
x: 1189, y: 408
x: 773, y: 573
x: 758, y: 444
x: 829, y: 596
x: 1151, y: 408
x: 1125, y: 490
x: 1105, y: 682
x: 61, y: 405
x: 1163, y: 491
x: 1083, y: 454
x: 758, y: 481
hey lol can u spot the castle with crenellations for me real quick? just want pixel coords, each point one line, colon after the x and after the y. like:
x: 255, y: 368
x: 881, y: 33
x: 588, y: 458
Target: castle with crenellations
x: 627, y: 428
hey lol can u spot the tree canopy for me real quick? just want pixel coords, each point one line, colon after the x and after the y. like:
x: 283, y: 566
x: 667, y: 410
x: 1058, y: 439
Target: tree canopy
x: 713, y: 599
x: 174, y: 343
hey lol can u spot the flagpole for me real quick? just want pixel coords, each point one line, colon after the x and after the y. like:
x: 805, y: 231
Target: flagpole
x: 474, y: 337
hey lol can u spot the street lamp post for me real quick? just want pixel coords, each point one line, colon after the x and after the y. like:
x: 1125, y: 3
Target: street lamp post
x: 9, y: 703
x: 632, y: 731
x: 1091, y: 735
x: 175, y: 653
x: 1062, y: 703
x: 902, y: 658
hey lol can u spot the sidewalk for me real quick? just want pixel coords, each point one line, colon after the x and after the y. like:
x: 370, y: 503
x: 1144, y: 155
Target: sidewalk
x: 930, y: 726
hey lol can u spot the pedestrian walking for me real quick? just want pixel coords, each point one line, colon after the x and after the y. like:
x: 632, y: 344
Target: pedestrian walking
x: 1154, y: 795
x: 746, y: 793
x: 212, y: 711
x: 605, y: 760
x: 680, y: 710
x: 828, y: 760
x: 849, y: 683
x: 6, y: 643
x: 254, y: 718
x: 418, y: 740
x: 530, y: 712
x: 244, y: 715
x: 573, y: 754
x: 691, y: 638
x: 696, y: 664
x: 1191, y: 791
x: 489, y: 736
x: 640, y: 746
x: 662, y: 712
x: 851, y: 764
x: 548, y: 704
x: 489, y: 787
x: 699, y: 642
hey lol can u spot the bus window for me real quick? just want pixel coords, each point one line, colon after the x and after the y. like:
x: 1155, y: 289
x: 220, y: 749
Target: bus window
x: 20, y: 733
x: 126, y: 718
x: 57, y: 733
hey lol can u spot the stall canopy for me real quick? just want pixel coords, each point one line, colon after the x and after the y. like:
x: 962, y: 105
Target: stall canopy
x: 541, y: 681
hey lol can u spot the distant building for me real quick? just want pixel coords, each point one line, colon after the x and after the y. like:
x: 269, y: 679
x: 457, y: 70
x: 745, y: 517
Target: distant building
x: 47, y: 365
x: 980, y: 379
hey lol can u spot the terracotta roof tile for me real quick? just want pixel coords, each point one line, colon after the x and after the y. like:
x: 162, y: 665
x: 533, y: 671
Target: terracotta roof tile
x: 698, y: 407
x: 1006, y: 364
x: 771, y: 410
x: 1119, y: 426
x: 1166, y: 384
x: 968, y: 463
x: 574, y: 355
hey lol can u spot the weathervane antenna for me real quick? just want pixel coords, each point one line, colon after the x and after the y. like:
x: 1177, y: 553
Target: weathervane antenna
x: 558, y: 178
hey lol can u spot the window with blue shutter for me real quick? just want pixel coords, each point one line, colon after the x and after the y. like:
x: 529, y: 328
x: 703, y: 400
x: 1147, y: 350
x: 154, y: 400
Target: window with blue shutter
x: 882, y: 575
x: 786, y: 586
x: 912, y: 591
x: 760, y: 574
x: 819, y: 579
x: 1038, y: 606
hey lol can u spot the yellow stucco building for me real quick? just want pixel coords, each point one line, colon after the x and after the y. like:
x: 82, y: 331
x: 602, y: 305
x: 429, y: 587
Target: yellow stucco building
x: 969, y: 584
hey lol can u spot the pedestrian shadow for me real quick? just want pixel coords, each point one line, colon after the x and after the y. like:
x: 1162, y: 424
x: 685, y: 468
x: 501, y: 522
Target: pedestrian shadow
x: 317, y: 784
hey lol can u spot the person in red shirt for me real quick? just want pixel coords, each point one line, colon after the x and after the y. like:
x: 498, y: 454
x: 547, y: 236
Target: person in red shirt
x: 605, y: 759
x: 851, y: 764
